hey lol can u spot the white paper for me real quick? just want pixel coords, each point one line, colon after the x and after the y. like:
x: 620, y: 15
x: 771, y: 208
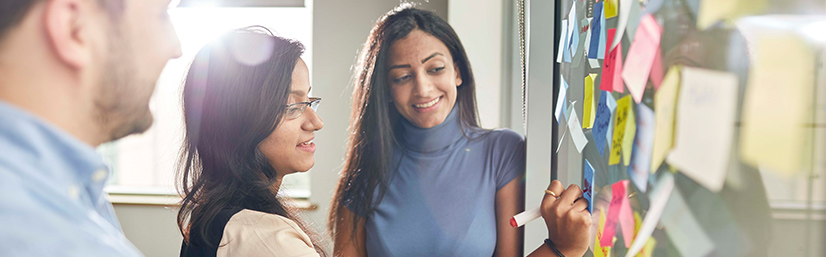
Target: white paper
x: 704, y: 126
x: 576, y: 132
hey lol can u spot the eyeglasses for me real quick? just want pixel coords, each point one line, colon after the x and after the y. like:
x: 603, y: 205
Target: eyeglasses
x: 295, y: 110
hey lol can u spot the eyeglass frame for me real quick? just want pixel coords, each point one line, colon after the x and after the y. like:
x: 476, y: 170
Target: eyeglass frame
x: 313, y: 103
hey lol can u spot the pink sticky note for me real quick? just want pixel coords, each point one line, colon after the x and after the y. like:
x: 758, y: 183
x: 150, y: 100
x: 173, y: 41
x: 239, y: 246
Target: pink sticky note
x: 614, y: 211
x: 618, y: 85
x: 607, y: 80
x: 641, y: 56
x: 626, y: 216
x: 657, y: 70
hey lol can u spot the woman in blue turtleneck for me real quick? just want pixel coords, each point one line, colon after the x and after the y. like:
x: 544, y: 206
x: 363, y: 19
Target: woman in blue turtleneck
x: 421, y: 178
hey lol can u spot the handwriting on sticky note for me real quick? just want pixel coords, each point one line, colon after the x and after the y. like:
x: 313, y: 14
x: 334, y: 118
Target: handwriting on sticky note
x: 602, y: 122
x: 609, y: 65
x: 641, y: 56
x: 599, y: 250
x: 588, y: 185
x: 623, y: 107
x: 709, y: 98
x: 597, y: 30
x: 614, y: 210
x: 628, y: 138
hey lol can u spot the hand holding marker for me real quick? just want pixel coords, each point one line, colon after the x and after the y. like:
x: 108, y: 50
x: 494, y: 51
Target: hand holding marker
x: 523, y: 218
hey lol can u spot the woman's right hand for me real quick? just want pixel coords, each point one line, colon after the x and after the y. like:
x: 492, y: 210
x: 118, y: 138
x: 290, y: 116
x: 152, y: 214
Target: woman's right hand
x: 567, y: 218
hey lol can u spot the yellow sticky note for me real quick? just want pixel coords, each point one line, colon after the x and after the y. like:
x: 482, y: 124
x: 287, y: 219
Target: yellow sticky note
x: 664, y: 101
x: 637, y: 223
x: 623, y: 108
x: 589, y: 113
x: 600, y: 251
x: 610, y: 8
x: 648, y: 250
x: 778, y: 103
x: 628, y: 138
x: 712, y: 11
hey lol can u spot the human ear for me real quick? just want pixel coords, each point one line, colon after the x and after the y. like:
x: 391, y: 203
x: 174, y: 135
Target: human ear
x: 67, y: 24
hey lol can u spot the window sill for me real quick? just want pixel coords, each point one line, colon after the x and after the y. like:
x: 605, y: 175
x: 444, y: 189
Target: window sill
x: 160, y: 197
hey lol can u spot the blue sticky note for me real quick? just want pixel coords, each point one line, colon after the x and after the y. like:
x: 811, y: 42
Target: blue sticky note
x: 563, y: 41
x: 596, y: 32
x: 602, y: 121
x: 601, y: 51
x: 574, y: 33
x: 612, y: 104
x: 643, y: 144
x: 588, y: 186
x: 562, y: 98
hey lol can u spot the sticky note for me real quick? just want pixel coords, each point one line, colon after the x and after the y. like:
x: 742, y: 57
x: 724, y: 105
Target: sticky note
x: 778, y: 102
x: 705, y: 126
x: 712, y: 12
x: 682, y: 227
x: 588, y: 35
x: 593, y: 63
x: 643, y: 141
x: 616, y: 213
x: 573, y: 28
x: 637, y: 224
x: 588, y: 185
x: 561, y: 100
x: 628, y: 138
x: 576, y: 132
x: 599, y: 250
x: 612, y: 105
x: 664, y: 102
x: 617, y: 74
x: 602, y: 122
x: 563, y: 42
x: 607, y: 80
x: 611, y: 8
x: 623, y: 107
x: 578, y: 49
x: 659, y: 197
x: 589, y: 112
x: 634, y: 16
x: 597, y: 31
x: 626, y: 216
x: 641, y: 56
x: 657, y: 70
x: 648, y: 250
x: 625, y: 10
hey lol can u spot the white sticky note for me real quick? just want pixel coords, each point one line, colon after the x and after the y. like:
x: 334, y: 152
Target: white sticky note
x: 563, y: 41
x: 561, y: 100
x: 705, y: 126
x: 576, y: 132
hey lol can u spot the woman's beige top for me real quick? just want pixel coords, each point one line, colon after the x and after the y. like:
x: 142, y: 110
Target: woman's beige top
x: 252, y: 233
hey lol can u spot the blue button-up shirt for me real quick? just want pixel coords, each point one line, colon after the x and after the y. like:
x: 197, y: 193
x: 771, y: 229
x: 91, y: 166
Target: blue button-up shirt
x: 51, y: 193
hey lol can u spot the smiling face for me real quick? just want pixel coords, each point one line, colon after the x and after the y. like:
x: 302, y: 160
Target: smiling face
x: 290, y: 146
x: 423, y: 79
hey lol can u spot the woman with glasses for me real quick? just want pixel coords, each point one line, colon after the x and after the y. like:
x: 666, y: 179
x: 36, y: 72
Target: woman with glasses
x: 421, y: 178
x: 245, y: 102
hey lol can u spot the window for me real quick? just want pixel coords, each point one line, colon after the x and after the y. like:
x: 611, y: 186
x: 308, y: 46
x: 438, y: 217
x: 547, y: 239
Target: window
x: 146, y: 163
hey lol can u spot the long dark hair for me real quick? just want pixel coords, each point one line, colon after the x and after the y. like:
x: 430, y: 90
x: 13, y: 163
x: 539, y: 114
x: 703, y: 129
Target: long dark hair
x: 374, y: 119
x: 234, y: 97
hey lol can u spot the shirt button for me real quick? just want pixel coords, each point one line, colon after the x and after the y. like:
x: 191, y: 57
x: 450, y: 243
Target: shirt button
x: 74, y: 192
x: 99, y: 175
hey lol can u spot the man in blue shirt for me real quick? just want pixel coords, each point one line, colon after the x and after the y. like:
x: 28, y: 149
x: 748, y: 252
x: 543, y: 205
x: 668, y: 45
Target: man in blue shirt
x: 73, y: 74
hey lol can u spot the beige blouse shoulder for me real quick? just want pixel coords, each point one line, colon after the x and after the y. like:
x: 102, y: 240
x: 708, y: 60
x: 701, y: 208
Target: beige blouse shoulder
x: 253, y: 233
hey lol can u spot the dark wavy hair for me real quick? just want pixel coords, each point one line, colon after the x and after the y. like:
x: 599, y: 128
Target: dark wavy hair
x: 375, y: 120
x: 234, y: 96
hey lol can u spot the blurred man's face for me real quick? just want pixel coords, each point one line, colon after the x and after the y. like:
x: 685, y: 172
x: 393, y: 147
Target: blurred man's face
x: 140, y: 42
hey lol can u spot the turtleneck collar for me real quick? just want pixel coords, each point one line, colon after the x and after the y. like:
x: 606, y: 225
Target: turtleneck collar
x: 426, y: 140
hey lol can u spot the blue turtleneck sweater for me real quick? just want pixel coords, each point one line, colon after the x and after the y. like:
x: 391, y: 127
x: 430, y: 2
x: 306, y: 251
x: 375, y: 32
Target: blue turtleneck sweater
x: 441, y: 197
